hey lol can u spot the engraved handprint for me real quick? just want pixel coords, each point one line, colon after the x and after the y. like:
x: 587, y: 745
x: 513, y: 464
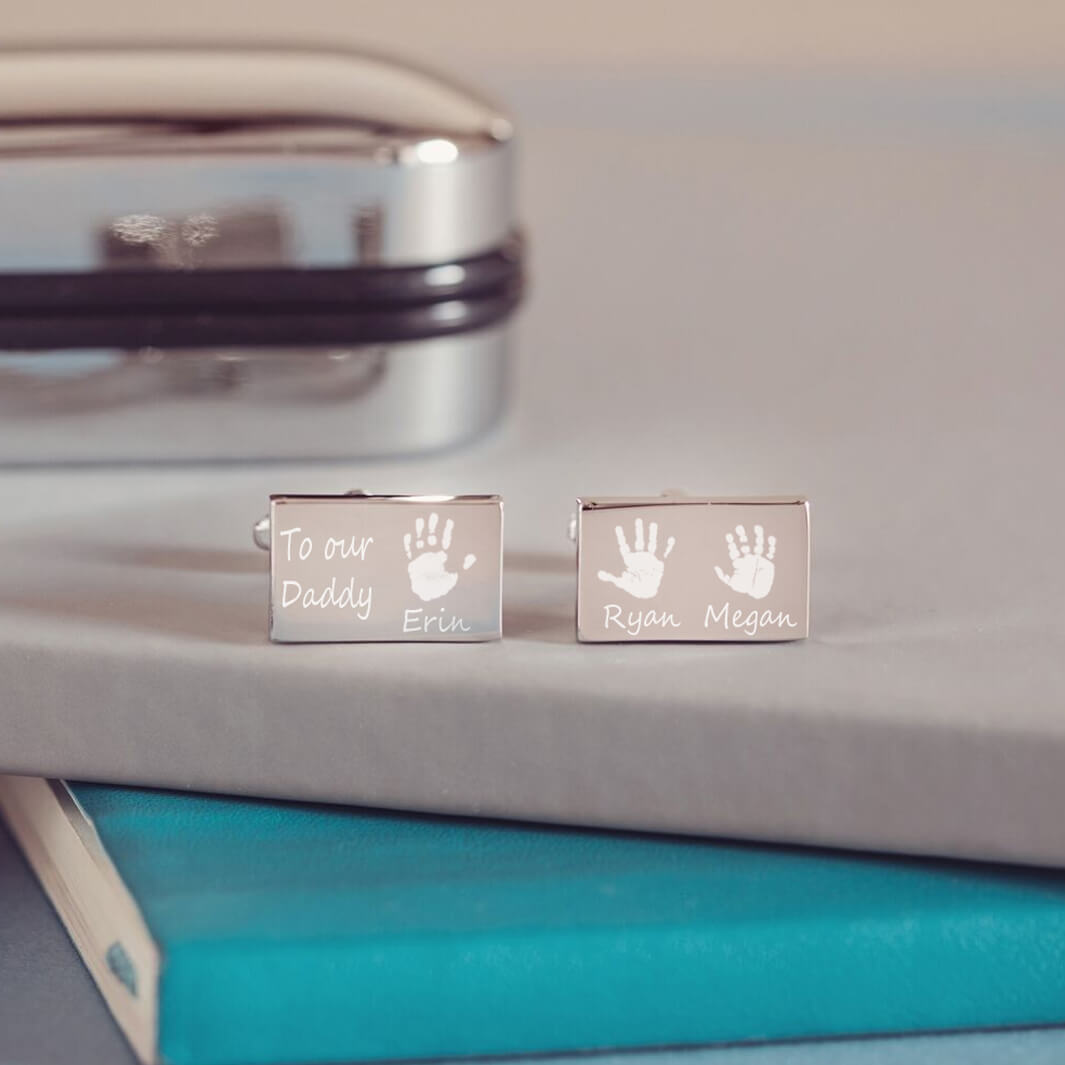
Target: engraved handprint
x: 752, y: 570
x: 428, y: 578
x: 643, y: 568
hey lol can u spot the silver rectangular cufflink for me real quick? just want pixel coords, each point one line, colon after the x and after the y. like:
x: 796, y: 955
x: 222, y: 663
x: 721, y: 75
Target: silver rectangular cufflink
x: 359, y: 567
x: 684, y: 568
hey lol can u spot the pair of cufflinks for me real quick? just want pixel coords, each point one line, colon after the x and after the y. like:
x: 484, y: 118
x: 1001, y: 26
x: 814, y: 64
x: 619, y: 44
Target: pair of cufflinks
x: 358, y: 567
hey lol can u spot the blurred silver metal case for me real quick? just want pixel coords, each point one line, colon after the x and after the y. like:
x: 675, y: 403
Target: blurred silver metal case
x: 226, y: 253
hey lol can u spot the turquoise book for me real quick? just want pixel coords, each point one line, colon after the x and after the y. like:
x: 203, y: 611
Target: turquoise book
x: 225, y: 931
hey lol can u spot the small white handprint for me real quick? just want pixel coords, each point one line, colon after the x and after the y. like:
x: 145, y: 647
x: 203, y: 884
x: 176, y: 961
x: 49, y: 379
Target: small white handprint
x: 643, y: 568
x: 752, y: 571
x: 428, y: 578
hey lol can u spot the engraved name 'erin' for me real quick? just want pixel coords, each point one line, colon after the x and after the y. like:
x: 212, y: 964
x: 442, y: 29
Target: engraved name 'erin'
x: 750, y: 622
x: 415, y: 619
x: 634, y: 622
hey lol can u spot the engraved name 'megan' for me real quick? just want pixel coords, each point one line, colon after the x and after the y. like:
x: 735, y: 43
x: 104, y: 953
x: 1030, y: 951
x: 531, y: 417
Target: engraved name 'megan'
x: 750, y: 622
x: 634, y: 622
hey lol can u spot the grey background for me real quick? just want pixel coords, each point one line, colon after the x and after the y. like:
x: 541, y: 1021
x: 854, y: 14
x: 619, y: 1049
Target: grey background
x: 742, y: 287
x: 875, y: 257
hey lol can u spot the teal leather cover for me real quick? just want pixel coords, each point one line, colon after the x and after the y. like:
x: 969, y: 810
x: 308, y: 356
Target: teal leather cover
x: 297, y: 933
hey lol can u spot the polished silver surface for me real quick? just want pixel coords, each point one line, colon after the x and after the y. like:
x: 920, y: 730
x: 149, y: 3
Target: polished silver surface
x: 679, y: 568
x: 356, y: 568
x: 250, y: 403
x: 197, y: 157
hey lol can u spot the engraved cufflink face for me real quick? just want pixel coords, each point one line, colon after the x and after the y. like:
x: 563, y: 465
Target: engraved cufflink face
x: 692, y: 569
x: 404, y: 568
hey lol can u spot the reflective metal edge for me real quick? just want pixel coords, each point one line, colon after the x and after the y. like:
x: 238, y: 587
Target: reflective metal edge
x: 190, y: 157
x: 262, y: 403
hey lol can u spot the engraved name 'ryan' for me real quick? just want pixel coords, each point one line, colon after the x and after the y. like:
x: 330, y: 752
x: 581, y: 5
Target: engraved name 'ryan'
x: 633, y: 622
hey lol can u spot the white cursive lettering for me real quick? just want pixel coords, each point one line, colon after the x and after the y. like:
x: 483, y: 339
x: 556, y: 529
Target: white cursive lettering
x: 355, y: 547
x: 415, y: 619
x: 751, y: 622
x: 637, y: 620
x: 347, y: 597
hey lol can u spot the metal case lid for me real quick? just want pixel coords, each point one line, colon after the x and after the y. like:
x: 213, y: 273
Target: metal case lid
x: 187, y: 158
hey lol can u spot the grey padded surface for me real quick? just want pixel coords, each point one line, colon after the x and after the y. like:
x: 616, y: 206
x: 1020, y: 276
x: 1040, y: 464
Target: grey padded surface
x: 854, y: 296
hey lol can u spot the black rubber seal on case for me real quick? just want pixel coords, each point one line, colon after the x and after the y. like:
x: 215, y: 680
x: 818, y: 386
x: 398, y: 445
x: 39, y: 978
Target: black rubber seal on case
x: 173, y: 308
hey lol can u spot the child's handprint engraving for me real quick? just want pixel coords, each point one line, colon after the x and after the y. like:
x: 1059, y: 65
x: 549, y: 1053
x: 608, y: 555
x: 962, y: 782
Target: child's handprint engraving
x: 752, y: 571
x: 643, y: 568
x: 428, y: 578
